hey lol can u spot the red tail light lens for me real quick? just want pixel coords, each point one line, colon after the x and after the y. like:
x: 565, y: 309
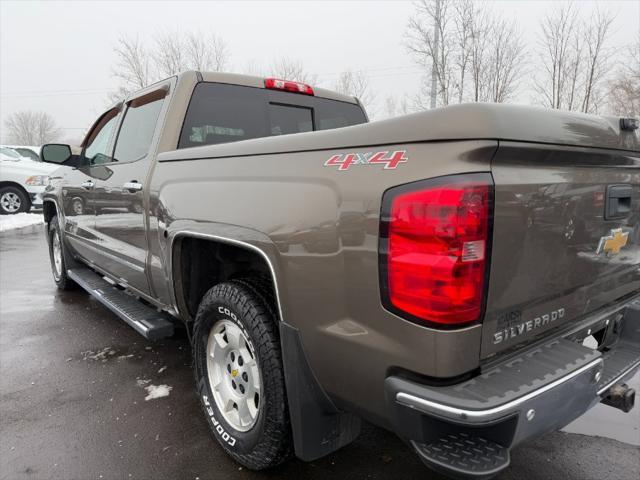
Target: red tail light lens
x: 287, y: 86
x: 434, y: 247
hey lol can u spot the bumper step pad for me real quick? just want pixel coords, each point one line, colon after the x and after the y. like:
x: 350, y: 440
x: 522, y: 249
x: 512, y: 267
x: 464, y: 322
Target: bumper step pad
x: 147, y: 321
x: 618, y: 363
x: 463, y: 455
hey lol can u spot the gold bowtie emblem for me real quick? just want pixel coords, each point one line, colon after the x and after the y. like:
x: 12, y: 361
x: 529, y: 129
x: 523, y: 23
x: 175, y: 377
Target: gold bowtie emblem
x: 612, y: 244
x: 234, y: 372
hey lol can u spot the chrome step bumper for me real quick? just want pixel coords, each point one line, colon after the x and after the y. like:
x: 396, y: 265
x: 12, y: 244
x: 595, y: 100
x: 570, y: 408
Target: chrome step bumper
x: 541, y: 390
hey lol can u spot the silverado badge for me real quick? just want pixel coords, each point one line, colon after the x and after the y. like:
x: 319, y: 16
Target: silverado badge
x: 612, y: 244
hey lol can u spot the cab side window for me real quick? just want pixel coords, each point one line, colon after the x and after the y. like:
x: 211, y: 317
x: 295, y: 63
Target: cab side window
x: 96, y: 151
x: 137, y: 129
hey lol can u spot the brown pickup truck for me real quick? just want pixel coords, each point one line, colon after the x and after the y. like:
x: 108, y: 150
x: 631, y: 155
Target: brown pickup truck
x: 467, y: 277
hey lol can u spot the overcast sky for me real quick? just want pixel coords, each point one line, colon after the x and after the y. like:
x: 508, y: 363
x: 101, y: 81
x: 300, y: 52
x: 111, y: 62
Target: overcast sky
x: 58, y: 56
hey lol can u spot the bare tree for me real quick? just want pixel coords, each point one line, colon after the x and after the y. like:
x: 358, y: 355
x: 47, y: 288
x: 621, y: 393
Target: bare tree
x: 133, y: 65
x: 169, y: 55
x: 596, y: 36
x: 206, y: 52
x: 396, y: 106
x: 574, y: 58
x: 558, y: 29
x: 505, y: 60
x: 290, y: 69
x: 465, y: 12
x: 480, y: 41
x: 623, y: 90
x: 27, y: 127
x: 480, y: 56
x: 421, y: 43
x: 357, y: 85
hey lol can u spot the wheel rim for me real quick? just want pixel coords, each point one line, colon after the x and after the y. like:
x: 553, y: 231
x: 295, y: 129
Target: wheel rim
x: 56, y: 250
x: 10, y: 202
x: 234, y: 375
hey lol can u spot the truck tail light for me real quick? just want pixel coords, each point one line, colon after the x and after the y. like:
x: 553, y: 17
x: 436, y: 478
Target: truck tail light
x: 287, y: 86
x: 434, y: 248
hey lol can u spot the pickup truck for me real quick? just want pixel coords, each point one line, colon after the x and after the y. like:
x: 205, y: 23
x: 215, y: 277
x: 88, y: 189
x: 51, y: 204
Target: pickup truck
x: 467, y: 277
x: 22, y: 181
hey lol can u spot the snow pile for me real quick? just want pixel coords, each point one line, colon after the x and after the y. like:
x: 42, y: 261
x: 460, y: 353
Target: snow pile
x: 19, y: 220
x: 157, y: 391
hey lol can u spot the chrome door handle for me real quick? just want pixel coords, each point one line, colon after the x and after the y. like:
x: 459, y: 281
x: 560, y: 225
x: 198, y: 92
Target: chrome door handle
x: 89, y: 184
x: 132, y: 186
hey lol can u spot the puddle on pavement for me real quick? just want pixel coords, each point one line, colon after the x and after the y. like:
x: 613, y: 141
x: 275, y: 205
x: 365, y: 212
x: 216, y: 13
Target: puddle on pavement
x: 19, y: 301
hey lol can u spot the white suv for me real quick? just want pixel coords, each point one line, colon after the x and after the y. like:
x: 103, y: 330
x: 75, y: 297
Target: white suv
x: 22, y: 182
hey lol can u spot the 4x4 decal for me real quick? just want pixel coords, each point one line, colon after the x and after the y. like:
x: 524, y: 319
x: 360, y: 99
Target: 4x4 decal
x: 390, y: 159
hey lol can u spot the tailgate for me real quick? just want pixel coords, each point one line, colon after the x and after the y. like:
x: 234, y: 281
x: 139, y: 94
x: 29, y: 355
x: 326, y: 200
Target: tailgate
x: 556, y: 256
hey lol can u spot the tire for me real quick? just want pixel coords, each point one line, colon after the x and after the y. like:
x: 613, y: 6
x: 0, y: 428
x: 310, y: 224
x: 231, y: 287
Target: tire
x: 13, y: 200
x: 225, y: 310
x: 57, y: 258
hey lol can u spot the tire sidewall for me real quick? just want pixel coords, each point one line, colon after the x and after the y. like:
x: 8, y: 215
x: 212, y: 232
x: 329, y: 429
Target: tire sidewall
x: 231, y: 439
x: 55, y: 229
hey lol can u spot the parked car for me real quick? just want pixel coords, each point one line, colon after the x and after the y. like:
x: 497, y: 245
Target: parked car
x: 417, y: 272
x: 22, y: 182
x: 30, y: 152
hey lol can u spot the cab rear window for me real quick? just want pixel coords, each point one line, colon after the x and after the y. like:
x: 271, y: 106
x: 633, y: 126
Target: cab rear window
x: 221, y: 113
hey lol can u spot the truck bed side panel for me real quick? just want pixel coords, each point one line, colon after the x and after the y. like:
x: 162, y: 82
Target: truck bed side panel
x: 319, y: 227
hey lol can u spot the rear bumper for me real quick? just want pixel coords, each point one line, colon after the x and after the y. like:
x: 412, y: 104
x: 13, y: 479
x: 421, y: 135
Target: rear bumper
x: 541, y: 390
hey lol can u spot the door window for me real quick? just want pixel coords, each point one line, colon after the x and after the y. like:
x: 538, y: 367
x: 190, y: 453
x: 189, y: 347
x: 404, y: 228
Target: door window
x: 96, y: 151
x: 138, y: 127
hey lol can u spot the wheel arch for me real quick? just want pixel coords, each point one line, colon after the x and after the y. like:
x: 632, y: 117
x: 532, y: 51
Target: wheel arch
x: 49, y: 210
x: 216, y: 259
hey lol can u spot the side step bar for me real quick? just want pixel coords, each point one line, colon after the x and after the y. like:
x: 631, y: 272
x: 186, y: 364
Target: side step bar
x: 147, y: 321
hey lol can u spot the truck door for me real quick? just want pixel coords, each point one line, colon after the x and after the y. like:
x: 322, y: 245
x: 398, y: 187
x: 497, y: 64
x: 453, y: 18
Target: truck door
x: 77, y: 201
x: 120, y: 202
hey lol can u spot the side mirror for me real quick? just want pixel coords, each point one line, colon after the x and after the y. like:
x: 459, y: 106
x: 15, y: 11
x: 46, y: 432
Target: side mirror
x: 57, y: 153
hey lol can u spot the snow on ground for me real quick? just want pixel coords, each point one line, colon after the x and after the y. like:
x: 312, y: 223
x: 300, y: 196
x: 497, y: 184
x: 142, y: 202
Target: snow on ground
x: 101, y: 355
x: 157, y: 391
x: 19, y: 220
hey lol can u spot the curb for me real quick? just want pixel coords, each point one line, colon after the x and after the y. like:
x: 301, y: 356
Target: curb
x: 27, y: 230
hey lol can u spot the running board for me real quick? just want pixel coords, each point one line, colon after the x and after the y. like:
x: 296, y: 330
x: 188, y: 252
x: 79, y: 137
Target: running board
x: 147, y: 321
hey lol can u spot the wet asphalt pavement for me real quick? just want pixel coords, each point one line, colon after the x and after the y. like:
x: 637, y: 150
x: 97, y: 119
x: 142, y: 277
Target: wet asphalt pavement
x: 72, y: 403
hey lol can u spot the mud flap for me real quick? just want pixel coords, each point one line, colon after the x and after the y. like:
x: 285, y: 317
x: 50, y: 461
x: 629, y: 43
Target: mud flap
x: 319, y: 428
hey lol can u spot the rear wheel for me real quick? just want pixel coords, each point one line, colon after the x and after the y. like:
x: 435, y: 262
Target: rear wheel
x: 13, y: 200
x: 57, y: 257
x: 239, y: 375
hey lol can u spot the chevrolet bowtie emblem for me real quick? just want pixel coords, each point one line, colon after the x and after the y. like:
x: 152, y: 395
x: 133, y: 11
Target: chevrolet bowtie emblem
x: 612, y: 244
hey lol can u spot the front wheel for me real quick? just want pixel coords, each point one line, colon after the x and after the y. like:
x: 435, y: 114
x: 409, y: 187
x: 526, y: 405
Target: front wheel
x: 13, y: 200
x: 239, y: 375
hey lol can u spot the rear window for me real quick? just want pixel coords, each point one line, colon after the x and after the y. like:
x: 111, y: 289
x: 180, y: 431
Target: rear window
x: 220, y: 113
